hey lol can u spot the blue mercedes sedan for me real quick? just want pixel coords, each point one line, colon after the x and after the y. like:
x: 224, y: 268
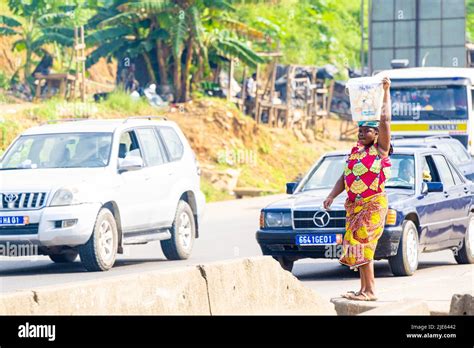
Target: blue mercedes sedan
x: 431, y: 208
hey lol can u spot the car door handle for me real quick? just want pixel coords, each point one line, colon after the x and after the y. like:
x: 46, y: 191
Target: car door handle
x: 446, y: 194
x: 466, y: 190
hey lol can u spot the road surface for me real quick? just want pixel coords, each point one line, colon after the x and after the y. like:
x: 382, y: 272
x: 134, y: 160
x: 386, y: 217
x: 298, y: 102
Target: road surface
x: 228, y: 231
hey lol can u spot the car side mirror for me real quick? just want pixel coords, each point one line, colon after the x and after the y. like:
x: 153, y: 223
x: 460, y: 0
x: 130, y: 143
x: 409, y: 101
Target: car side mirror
x: 291, y: 187
x: 427, y: 187
x: 130, y: 163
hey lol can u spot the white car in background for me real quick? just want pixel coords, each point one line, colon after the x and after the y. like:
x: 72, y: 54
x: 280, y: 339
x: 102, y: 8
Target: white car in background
x: 89, y: 187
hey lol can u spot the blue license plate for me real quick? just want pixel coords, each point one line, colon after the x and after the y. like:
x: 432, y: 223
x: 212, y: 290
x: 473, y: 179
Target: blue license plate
x: 14, y: 220
x: 318, y: 239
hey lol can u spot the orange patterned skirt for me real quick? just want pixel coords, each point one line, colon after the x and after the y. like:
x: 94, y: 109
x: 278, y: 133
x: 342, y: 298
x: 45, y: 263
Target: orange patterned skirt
x: 365, y: 221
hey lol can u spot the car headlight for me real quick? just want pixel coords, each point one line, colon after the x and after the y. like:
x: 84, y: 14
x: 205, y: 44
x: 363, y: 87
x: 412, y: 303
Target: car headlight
x: 278, y: 219
x: 66, y: 196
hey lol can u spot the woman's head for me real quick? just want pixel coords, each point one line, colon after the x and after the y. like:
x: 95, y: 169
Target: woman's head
x: 368, y: 132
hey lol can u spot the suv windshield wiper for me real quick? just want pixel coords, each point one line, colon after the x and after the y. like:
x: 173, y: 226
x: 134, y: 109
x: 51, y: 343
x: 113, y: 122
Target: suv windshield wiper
x: 400, y: 186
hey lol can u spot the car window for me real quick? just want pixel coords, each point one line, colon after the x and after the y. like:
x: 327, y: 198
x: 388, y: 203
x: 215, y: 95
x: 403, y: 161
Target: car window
x: 173, y: 143
x: 402, y: 172
x: 443, y: 170
x: 428, y: 170
x: 458, y: 180
x: 455, y: 150
x: 128, y: 143
x: 151, y: 146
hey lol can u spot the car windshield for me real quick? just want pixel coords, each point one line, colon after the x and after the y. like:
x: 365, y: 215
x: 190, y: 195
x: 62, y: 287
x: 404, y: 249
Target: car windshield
x: 429, y: 103
x: 68, y: 150
x: 330, y: 169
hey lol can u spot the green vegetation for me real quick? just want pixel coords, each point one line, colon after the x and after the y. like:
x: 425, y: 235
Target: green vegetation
x: 120, y: 101
x: 470, y: 20
x: 310, y: 32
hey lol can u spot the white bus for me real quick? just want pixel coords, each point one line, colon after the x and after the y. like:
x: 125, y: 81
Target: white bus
x: 433, y: 101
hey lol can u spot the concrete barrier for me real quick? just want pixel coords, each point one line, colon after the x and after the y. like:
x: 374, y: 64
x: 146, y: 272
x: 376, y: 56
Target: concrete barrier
x: 160, y: 292
x: 245, y: 286
x: 462, y: 305
x: 404, y: 307
x: 259, y: 286
x: 348, y: 307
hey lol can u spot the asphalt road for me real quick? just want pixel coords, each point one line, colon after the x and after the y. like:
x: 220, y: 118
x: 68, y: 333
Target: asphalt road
x: 228, y: 231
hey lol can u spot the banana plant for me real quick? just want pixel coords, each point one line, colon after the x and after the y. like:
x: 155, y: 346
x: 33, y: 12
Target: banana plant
x: 30, y: 24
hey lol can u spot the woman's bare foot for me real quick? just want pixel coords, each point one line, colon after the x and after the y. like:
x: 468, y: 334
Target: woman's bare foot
x: 362, y: 296
x: 351, y: 293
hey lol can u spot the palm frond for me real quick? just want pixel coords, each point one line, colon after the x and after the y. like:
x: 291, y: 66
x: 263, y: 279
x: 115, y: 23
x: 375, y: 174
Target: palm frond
x: 52, y: 37
x: 178, y: 35
x: 106, y: 50
x: 150, y: 7
x: 52, y: 18
x: 7, y: 31
x: 233, y: 48
x: 120, y: 18
x: 9, y: 21
x: 219, y: 5
x: 243, y: 29
x: 104, y: 35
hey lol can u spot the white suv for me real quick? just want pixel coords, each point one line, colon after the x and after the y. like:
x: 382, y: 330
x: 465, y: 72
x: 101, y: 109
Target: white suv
x: 89, y: 187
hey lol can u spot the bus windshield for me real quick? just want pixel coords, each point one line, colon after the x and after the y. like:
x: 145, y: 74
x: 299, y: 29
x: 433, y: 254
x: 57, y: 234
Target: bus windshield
x: 429, y: 103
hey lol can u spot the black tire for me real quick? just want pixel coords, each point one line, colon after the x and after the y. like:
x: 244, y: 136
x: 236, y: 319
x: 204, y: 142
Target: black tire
x: 94, y: 255
x: 400, y: 263
x: 180, y: 246
x: 67, y: 256
x: 285, y: 263
x: 465, y: 255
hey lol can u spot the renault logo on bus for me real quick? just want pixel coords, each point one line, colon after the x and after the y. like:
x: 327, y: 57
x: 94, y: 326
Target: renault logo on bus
x: 321, y: 218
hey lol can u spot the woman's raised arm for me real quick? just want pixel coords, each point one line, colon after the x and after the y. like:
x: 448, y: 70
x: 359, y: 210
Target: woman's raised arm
x: 384, y: 126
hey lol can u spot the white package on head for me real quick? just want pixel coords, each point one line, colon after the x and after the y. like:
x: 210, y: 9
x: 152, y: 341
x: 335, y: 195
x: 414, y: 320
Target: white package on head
x: 366, y: 96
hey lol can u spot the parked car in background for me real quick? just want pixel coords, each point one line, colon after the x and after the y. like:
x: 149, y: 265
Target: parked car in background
x: 450, y: 146
x: 90, y: 187
x: 431, y: 208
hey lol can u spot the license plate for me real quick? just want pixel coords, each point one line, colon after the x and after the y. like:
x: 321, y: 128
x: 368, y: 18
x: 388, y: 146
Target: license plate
x: 14, y: 220
x: 318, y: 239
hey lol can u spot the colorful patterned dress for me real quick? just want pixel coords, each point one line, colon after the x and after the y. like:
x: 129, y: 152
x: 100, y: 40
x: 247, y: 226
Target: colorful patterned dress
x: 366, y: 206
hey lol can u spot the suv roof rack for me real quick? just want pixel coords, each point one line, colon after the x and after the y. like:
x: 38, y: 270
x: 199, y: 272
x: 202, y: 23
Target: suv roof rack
x: 65, y: 120
x: 145, y: 118
x: 442, y: 136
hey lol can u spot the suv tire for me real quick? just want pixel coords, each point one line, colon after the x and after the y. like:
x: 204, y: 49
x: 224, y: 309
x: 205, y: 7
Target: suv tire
x: 100, y: 251
x: 183, y: 232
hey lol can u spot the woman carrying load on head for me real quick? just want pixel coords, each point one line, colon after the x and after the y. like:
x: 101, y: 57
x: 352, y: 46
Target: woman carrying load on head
x: 366, y: 170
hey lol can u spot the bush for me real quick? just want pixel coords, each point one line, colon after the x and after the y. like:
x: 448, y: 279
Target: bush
x: 122, y: 102
x: 4, y: 81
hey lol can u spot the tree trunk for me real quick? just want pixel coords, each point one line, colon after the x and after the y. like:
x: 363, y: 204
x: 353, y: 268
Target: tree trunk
x: 160, y: 58
x: 149, y: 67
x: 177, y: 78
x: 186, y: 83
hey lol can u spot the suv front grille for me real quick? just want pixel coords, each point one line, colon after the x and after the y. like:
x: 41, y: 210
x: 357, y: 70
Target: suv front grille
x: 19, y: 230
x: 303, y: 219
x: 23, y: 200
